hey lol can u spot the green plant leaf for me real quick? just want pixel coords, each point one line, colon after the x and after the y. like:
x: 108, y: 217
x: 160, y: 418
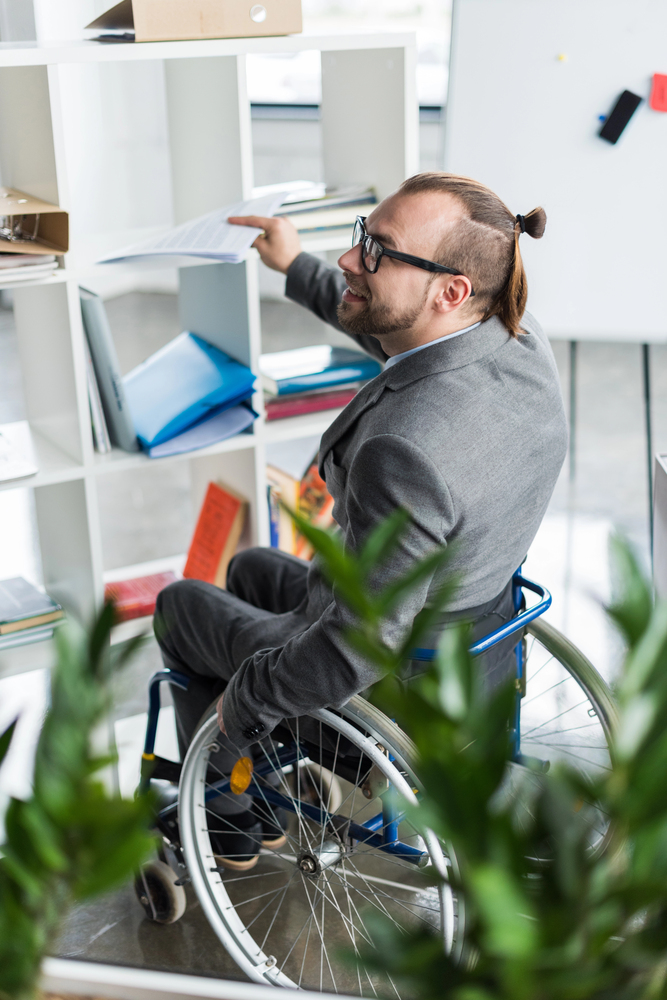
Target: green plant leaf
x: 6, y: 739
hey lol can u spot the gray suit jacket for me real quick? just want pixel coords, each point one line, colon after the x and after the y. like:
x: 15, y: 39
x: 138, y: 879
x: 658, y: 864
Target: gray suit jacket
x: 469, y: 435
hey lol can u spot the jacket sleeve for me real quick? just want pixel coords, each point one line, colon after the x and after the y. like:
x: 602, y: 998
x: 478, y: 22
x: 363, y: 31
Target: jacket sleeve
x: 318, y: 287
x: 317, y: 668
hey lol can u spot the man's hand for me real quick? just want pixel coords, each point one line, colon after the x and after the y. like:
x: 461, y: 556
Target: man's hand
x: 278, y: 245
x: 221, y: 724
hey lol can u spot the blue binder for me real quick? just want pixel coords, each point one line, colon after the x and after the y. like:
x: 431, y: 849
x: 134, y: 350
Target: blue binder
x: 180, y: 384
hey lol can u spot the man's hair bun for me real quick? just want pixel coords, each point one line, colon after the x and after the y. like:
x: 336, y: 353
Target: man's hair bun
x: 534, y: 223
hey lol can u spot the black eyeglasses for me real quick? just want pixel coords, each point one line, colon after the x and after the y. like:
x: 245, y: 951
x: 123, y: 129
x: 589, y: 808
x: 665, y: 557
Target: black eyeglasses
x: 372, y: 253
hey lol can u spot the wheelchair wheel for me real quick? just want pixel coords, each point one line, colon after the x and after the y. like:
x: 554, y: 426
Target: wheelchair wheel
x: 286, y: 922
x: 567, y: 712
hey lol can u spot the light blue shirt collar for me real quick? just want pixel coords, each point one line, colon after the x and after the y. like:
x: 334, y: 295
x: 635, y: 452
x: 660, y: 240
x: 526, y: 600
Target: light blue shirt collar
x: 448, y: 336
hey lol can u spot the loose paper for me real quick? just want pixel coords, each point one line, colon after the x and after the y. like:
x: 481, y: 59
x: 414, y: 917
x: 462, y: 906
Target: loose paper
x: 210, y: 237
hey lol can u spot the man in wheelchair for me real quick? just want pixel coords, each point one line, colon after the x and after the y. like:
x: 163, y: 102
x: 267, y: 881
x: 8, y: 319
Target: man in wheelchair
x: 464, y: 428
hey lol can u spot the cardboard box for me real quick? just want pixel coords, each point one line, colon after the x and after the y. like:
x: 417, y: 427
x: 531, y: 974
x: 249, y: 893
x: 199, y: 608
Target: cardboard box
x: 47, y: 221
x: 173, y: 20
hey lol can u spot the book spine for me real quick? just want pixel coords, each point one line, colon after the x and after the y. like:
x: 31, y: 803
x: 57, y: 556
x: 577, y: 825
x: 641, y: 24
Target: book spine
x: 100, y: 430
x: 334, y: 378
x: 274, y: 517
x: 280, y: 408
x: 107, y: 372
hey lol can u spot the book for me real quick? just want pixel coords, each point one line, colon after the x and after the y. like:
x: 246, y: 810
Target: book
x: 314, y: 199
x: 107, y: 372
x: 217, y: 427
x: 276, y: 408
x: 181, y: 384
x: 26, y: 636
x: 210, y: 237
x: 305, y: 368
x: 308, y: 496
x: 283, y: 490
x: 315, y: 504
x: 312, y: 220
x: 23, y: 606
x: 101, y: 438
x: 219, y: 526
x: 135, y: 598
x: 17, y: 457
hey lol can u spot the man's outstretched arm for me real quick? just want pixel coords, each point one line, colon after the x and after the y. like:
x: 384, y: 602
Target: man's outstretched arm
x: 310, y: 282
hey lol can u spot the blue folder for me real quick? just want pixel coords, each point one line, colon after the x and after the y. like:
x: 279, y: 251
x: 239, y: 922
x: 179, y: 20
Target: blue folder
x: 181, y: 384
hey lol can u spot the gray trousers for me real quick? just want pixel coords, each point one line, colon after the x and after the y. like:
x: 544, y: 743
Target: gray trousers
x: 207, y: 633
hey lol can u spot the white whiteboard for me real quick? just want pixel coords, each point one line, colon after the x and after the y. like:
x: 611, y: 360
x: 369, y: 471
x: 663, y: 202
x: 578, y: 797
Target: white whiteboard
x: 526, y: 124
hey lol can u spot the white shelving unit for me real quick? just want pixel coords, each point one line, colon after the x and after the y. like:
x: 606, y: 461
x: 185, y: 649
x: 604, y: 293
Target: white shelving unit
x: 370, y: 136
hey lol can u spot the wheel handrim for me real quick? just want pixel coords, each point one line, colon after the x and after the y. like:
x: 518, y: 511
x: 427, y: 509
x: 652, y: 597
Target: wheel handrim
x: 332, y: 900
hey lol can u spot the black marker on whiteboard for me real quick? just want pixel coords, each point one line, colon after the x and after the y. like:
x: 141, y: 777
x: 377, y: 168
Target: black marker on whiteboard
x: 621, y: 114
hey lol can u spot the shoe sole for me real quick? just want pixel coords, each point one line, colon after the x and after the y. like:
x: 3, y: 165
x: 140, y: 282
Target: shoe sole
x: 275, y: 842
x: 236, y: 866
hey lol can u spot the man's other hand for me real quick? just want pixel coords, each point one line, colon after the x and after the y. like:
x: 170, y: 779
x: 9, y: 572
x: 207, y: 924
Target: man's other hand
x: 278, y: 245
x: 221, y: 724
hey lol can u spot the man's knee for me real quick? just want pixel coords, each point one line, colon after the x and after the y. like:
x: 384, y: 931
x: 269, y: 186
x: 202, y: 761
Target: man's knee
x: 173, y: 605
x: 245, y: 565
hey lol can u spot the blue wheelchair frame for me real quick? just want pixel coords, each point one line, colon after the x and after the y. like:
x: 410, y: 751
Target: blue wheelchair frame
x: 381, y: 830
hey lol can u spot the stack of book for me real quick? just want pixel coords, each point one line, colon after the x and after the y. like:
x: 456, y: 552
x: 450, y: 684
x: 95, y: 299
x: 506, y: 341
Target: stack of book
x: 26, y: 613
x: 311, y: 379
x: 187, y: 395
x: 313, y: 211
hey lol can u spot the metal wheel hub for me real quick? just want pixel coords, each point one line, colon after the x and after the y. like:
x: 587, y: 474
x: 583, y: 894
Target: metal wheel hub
x: 314, y: 862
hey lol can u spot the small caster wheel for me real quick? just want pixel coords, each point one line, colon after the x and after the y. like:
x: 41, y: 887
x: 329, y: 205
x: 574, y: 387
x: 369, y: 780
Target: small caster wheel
x: 162, y: 900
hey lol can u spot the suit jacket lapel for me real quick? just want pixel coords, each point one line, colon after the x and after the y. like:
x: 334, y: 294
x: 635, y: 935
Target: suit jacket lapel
x: 367, y: 396
x: 447, y: 356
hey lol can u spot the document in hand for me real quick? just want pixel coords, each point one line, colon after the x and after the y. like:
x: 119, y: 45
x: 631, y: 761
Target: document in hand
x: 210, y: 237
x: 181, y: 384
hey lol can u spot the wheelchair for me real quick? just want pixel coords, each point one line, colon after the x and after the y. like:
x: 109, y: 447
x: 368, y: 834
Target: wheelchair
x: 350, y: 849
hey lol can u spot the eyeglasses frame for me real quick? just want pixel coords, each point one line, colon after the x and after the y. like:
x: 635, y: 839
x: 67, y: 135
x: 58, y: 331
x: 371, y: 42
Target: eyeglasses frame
x: 407, y: 258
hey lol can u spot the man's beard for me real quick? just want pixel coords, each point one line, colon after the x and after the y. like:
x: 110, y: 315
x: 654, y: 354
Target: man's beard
x: 377, y: 320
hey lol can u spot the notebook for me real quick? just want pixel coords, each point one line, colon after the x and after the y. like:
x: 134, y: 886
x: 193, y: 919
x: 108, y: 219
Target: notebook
x: 181, y: 384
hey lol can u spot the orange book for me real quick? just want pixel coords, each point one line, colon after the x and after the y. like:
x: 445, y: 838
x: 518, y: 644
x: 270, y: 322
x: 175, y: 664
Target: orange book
x: 216, y: 536
x: 315, y: 504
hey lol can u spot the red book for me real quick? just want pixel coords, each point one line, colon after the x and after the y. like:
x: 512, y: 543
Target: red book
x: 216, y: 536
x: 136, y: 598
x: 286, y: 406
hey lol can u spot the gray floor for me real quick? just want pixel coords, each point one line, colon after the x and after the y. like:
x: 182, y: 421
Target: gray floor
x: 140, y: 510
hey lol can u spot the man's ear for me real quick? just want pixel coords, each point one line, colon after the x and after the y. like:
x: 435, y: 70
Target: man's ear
x: 453, y: 291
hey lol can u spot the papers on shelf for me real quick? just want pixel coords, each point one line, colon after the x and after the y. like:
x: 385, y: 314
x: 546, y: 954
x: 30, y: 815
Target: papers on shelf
x: 210, y: 237
x: 23, y: 267
x: 17, y: 459
x: 207, y: 432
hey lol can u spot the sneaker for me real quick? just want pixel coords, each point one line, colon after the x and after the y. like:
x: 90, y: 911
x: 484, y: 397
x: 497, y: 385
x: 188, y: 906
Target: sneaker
x: 274, y: 823
x: 236, y: 840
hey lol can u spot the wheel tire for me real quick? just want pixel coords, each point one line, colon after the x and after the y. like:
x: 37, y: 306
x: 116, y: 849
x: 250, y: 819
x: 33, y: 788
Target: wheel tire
x: 161, y: 899
x: 262, y: 941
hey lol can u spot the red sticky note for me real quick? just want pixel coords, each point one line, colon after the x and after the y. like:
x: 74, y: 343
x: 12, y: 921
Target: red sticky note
x: 658, y: 99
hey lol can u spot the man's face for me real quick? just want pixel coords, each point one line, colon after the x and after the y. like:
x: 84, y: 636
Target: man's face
x: 398, y: 296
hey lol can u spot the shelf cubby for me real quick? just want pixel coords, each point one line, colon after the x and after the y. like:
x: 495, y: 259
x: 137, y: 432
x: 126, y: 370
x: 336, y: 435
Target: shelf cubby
x: 207, y: 163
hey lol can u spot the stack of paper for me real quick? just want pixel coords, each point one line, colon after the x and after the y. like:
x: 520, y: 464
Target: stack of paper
x: 210, y: 237
x: 25, y: 267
